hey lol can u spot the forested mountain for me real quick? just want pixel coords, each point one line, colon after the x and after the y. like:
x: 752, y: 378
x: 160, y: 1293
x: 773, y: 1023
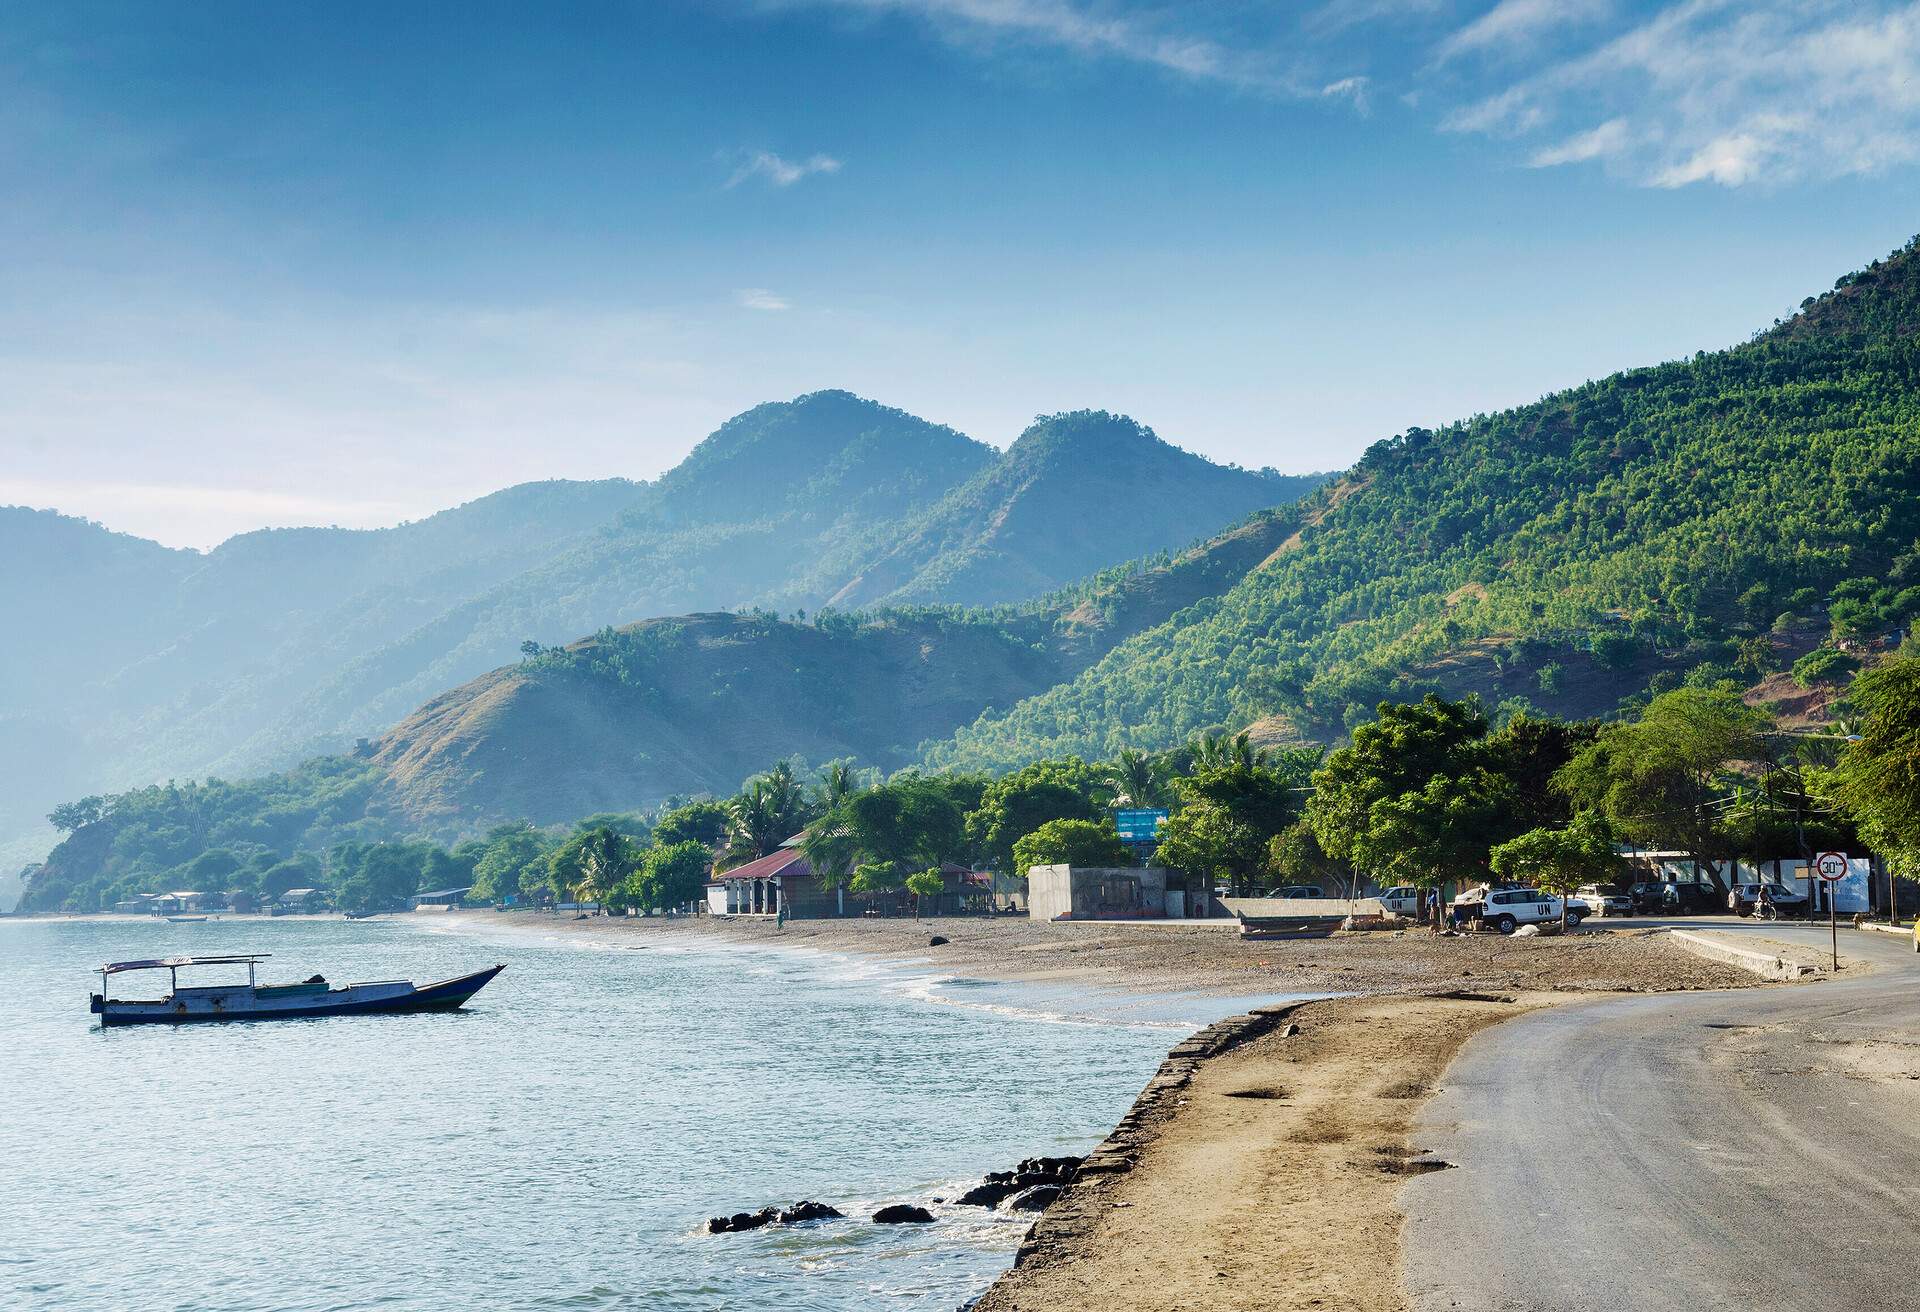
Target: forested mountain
x: 1727, y: 510
x: 282, y: 644
x: 622, y: 720
x: 1074, y: 494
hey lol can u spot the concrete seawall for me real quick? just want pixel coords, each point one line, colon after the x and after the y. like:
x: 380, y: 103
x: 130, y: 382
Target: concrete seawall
x: 1074, y: 1212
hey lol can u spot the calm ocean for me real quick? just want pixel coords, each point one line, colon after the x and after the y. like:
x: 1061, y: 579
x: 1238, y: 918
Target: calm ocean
x: 556, y: 1146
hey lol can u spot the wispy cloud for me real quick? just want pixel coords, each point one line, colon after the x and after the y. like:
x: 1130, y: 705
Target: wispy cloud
x: 1513, y: 23
x: 1604, y: 142
x: 1736, y: 94
x: 778, y: 171
x: 1172, y: 37
x: 759, y: 298
x: 1351, y: 89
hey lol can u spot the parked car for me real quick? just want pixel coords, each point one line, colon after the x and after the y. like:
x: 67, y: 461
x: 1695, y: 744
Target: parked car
x: 1401, y: 900
x: 1785, y: 900
x: 1296, y: 890
x: 1671, y: 897
x: 1510, y: 908
x: 1604, y: 901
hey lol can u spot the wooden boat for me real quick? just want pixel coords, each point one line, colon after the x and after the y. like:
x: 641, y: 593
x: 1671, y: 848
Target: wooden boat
x: 255, y: 1001
x: 1262, y: 927
x: 185, y: 920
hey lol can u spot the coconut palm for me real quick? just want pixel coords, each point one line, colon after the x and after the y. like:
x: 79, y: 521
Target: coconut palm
x: 1136, y: 780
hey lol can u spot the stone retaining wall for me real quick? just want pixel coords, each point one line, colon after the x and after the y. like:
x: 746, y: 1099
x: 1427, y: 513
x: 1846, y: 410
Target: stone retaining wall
x: 1075, y: 1211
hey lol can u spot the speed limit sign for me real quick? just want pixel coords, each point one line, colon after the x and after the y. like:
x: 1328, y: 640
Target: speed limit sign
x: 1831, y: 865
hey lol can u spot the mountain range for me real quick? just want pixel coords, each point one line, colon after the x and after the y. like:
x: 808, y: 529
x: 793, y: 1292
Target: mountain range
x: 1714, y: 518
x: 283, y: 644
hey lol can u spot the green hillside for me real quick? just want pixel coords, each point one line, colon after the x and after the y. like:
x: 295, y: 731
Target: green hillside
x: 1570, y: 552
x: 631, y: 716
x: 1074, y: 494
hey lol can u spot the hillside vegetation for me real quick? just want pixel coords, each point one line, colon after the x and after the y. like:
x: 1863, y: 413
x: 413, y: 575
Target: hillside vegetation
x: 1606, y: 539
x: 285, y: 643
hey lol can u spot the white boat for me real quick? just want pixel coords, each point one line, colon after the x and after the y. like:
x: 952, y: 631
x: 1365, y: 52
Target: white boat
x: 256, y: 1001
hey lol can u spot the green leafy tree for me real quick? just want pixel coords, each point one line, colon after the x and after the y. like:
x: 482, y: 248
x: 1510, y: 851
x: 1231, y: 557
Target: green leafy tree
x: 924, y: 884
x: 1878, y: 779
x: 1071, y: 843
x: 874, y: 838
x: 670, y: 877
x: 594, y: 864
x: 1414, y: 798
x: 1561, y: 860
x: 1227, y: 817
x: 71, y: 816
x: 1294, y: 856
x: 700, y: 822
x: 1016, y: 804
x: 376, y: 876
x: 1664, y: 780
x: 513, y: 863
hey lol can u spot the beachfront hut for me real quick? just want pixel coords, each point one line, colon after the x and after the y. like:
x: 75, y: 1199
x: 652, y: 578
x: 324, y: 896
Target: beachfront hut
x: 441, y: 899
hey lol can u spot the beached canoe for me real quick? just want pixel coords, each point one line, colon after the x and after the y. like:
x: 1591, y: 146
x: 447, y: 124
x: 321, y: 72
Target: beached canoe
x: 254, y: 1001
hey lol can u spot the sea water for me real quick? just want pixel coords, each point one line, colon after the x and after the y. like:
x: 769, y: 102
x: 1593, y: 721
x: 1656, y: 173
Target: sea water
x: 557, y: 1145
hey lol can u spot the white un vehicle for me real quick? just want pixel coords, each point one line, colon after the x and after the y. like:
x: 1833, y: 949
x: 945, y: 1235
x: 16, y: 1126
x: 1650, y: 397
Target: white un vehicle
x: 1511, y: 908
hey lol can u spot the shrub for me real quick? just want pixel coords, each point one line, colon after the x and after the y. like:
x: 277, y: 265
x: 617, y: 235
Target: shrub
x: 1823, y: 665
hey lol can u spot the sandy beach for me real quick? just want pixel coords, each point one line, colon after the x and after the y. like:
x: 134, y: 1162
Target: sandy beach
x: 1200, y: 956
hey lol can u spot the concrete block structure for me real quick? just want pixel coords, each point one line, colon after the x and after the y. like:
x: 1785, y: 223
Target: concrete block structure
x: 1099, y: 892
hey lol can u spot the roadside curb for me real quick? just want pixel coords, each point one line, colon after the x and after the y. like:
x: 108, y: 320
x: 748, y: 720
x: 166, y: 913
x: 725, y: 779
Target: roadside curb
x: 1902, y: 930
x: 1766, y: 965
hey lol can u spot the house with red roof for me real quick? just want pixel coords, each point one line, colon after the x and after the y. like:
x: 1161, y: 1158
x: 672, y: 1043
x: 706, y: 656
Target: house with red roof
x: 784, y: 879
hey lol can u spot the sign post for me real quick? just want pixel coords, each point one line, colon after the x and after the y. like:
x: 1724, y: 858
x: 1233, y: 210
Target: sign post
x: 1832, y: 867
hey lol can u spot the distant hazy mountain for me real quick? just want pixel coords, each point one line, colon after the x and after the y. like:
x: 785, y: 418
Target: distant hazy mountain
x: 151, y: 663
x: 687, y: 704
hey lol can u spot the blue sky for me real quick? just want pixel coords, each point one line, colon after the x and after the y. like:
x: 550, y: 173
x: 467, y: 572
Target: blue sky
x: 351, y: 262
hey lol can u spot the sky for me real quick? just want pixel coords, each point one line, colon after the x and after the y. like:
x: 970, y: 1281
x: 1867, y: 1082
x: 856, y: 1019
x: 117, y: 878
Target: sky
x: 350, y: 263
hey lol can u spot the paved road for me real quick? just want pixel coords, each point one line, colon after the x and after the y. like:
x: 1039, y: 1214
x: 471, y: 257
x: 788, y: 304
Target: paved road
x: 1754, y: 1149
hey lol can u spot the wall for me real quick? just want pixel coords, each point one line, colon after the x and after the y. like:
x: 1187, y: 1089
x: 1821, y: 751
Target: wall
x: 1086, y: 892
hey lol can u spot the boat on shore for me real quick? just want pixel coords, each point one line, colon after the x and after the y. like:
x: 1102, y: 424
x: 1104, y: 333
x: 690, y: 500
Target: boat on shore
x: 255, y: 1001
x: 184, y: 920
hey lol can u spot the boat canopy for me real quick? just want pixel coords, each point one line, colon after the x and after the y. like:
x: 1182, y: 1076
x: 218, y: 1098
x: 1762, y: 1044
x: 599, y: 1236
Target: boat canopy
x: 175, y: 963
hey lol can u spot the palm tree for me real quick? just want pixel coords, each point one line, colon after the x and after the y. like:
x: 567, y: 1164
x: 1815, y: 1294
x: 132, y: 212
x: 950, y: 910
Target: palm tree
x: 1219, y: 751
x: 838, y: 782
x: 1136, y: 780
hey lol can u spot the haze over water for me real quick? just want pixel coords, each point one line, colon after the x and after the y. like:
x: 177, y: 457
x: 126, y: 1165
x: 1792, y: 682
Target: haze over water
x: 556, y: 1146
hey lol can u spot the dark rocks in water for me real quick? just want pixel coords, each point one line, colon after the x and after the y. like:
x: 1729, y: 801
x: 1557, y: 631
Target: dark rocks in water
x: 902, y: 1214
x: 937, y: 941
x: 808, y: 1210
x: 1032, y: 1200
x: 804, y: 1210
x: 1028, y: 1175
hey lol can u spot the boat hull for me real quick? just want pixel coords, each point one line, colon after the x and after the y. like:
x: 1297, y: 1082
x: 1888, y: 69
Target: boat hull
x: 447, y: 995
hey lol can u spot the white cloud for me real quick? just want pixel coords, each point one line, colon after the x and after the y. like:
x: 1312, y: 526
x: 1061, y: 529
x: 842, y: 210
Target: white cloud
x: 1162, y: 35
x: 1734, y: 94
x: 1603, y: 142
x: 1348, y: 88
x: 201, y: 516
x: 781, y: 172
x: 759, y: 298
x: 1518, y: 22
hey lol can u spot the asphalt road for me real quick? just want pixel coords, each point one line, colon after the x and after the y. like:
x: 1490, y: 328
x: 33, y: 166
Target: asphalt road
x: 1755, y: 1149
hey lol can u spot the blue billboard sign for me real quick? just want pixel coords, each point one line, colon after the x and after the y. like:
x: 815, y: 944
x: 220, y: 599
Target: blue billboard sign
x: 1139, y: 826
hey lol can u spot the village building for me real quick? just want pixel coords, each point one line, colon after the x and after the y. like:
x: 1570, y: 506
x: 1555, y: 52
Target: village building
x: 784, y: 879
x: 1110, y: 893
x: 440, y: 899
x: 300, y: 902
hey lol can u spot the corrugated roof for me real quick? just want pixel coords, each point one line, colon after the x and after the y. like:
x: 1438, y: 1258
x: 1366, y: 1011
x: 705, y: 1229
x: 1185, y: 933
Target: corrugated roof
x: 768, y: 866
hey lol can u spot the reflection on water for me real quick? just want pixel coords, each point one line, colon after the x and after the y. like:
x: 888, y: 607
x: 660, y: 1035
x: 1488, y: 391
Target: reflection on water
x: 556, y: 1146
